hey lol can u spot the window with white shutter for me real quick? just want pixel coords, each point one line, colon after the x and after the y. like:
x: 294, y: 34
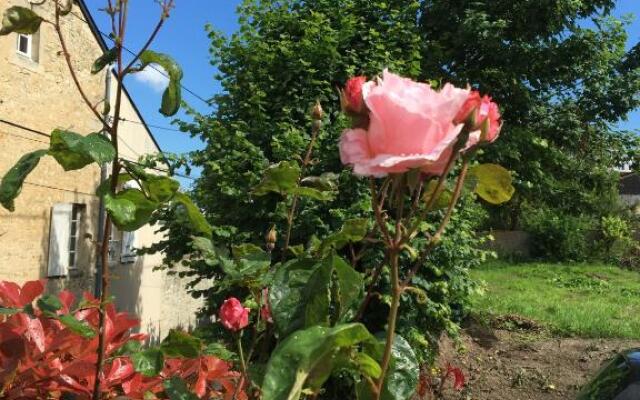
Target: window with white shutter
x: 128, y: 253
x: 59, y: 240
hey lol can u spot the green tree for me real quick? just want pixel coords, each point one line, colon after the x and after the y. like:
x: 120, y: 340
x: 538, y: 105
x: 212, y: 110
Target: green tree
x: 561, y: 74
x: 558, y: 68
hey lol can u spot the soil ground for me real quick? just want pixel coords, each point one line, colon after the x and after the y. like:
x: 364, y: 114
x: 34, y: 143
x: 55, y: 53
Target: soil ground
x: 522, y: 362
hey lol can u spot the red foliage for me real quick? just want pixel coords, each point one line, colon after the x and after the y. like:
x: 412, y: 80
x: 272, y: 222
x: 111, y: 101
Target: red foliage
x: 42, y: 358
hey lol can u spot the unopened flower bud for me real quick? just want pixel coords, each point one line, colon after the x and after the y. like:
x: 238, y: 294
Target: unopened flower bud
x: 351, y: 96
x: 271, y: 237
x: 317, y: 113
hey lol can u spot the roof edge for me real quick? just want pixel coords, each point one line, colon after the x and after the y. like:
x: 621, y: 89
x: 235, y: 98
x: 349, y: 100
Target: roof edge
x: 103, y: 45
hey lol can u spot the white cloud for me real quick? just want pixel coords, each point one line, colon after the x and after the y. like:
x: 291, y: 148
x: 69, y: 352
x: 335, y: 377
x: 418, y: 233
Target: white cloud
x: 152, y: 77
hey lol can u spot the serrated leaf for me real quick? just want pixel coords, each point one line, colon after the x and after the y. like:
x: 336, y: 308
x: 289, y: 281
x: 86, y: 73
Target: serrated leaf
x: 76, y: 326
x: 493, y: 183
x: 180, y: 344
x: 74, y: 151
x: 105, y: 59
x: 353, y: 230
x: 49, y: 304
x: 443, y: 197
x: 172, y: 95
x: 129, y: 209
x: 324, y: 182
x: 20, y: 20
x: 307, y: 356
x: 105, y: 186
x: 280, y: 178
x: 196, y: 218
x: 177, y: 389
x: 401, y: 380
x: 12, y: 182
x: 220, y: 351
x: 161, y: 188
x: 8, y: 310
x: 312, y: 193
x: 148, y: 362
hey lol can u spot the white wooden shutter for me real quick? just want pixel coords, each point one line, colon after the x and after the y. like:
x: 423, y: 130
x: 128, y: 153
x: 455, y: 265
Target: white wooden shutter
x: 59, y: 234
x: 128, y: 251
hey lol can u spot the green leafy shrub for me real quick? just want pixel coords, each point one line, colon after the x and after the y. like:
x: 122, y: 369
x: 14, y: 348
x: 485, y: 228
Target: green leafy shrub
x: 560, y: 236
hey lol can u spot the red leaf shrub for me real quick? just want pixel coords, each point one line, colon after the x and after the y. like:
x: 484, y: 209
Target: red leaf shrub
x: 42, y: 357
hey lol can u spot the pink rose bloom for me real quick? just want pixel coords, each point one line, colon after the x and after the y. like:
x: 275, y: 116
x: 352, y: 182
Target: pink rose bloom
x: 233, y: 316
x: 411, y: 126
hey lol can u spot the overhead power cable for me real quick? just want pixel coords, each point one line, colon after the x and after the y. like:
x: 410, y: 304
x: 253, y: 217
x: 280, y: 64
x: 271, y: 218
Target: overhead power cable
x: 40, y: 133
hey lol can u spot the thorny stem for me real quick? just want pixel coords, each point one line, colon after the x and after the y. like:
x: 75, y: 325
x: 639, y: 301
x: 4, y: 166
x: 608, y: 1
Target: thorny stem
x: 243, y: 366
x: 165, y: 14
x: 317, y: 124
x: 115, y: 171
x: 443, y: 224
x: 396, y: 292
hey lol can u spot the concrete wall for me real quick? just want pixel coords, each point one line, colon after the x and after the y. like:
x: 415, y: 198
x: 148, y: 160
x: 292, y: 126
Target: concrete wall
x: 41, y: 95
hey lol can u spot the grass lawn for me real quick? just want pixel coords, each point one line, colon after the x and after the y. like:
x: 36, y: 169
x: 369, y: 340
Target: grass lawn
x: 586, y: 300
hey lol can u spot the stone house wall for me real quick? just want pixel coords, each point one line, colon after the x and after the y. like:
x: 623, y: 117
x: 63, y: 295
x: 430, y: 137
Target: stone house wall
x: 41, y: 96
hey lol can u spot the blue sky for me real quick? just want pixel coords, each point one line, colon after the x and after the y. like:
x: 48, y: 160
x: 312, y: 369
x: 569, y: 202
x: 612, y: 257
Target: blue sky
x: 184, y: 38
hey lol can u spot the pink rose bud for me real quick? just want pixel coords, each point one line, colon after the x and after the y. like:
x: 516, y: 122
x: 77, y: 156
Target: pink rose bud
x: 482, y: 115
x: 233, y: 315
x: 352, y: 101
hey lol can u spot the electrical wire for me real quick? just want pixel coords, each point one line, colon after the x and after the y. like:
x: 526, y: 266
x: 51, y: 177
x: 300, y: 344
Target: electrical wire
x: 162, y: 72
x: 40, y: 133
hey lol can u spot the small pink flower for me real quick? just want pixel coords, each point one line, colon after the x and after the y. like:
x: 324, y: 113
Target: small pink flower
x: 352, y: 95
x: 233, y: 316
x: 265, y: 310
x: 410, y: 126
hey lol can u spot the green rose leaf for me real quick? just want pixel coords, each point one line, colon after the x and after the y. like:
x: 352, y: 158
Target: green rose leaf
x: 173, y: 94
x: 104, y: 60
x: 219, y: 350
x: 177, y: 389
x: 49, y: 304
x: 279, y: 178
x: 180, y: 344
x: 312, y: 193
x: 198, y: 221
x: 287, y: 293
x: 443, y: 196
x: 161, y: 188
x: 8, y: 310
x: 20, y: 20
x: 11, y: 184
x: 324, y: 182
x: 493, y: 183
x: 76, y: 326
x: 353, y: 230
x: 305, y: 292
x: 74, y: 151
x: 348, y: 285
x: 130, y: 209
x: 105, y: 186
x: 148, y: 362
x: 401, y: 380
x: 308, y: 356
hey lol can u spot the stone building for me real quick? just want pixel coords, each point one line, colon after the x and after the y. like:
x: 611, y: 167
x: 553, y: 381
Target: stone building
x: 53, y: 231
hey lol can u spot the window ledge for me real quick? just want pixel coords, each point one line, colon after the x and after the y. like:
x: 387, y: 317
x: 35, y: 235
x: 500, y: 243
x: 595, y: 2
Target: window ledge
x: 25, y: 62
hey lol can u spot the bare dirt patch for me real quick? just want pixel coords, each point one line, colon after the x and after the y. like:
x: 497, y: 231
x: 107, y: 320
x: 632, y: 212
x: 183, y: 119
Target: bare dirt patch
x: 523, y: 363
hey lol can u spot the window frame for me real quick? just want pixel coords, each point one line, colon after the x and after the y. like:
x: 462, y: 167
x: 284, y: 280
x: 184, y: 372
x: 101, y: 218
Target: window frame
x: 29, y: 52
